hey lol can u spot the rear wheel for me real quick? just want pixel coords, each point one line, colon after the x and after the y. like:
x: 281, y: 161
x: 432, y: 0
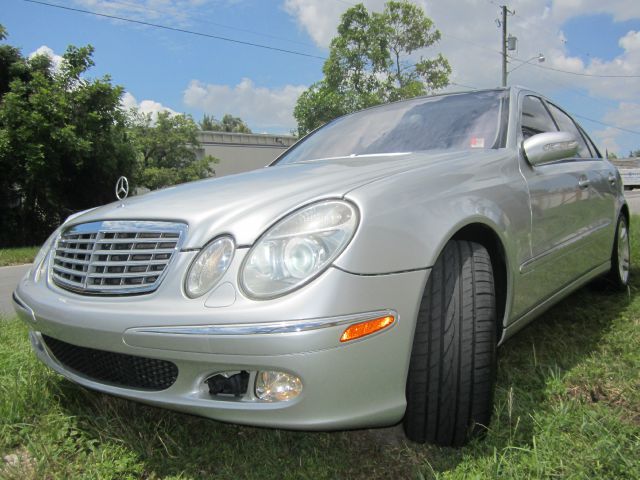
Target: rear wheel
x: 621, y: 255
x: 453, y: 360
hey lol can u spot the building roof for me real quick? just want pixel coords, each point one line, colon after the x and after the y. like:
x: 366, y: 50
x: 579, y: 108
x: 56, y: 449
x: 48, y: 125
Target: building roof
x: 250, y: 139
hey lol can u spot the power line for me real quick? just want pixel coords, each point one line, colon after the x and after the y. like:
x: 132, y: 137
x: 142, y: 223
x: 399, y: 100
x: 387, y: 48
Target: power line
x: 468, y: 42
x: 566, y: 42
x: 464, y: 86
x: 181, y: 30
x: 594, y: 75
x: 606, y: 124
x: 145, y: 8
x: 564, y: 85
x: 635, y: 132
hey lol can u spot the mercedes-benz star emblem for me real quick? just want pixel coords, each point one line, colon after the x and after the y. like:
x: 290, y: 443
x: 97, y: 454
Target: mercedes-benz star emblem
x: 122, y: 188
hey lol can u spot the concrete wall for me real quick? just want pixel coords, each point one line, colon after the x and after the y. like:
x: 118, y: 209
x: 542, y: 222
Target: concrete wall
x: 629, y: 169
x: 241, y: 152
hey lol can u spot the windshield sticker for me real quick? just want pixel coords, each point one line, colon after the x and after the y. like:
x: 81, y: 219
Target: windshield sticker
x: 477, y: 142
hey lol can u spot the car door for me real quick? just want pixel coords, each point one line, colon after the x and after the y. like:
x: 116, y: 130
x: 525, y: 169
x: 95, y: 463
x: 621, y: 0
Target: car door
x: 564, y: 212
x: 600, y: 191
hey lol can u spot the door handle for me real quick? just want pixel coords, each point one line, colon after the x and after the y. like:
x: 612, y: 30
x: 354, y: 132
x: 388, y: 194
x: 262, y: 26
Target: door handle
x: 612, y: 179
x: 583, y: 183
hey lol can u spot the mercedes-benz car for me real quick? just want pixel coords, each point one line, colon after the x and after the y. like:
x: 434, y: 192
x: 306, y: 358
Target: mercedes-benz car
x: 364, y: 278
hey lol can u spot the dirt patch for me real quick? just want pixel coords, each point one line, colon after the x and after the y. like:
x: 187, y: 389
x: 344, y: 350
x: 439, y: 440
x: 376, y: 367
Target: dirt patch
x: 608, y: 395
x: 18, y: 464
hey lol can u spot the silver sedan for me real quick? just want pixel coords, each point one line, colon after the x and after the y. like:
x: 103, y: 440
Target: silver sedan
x: 364, y: 278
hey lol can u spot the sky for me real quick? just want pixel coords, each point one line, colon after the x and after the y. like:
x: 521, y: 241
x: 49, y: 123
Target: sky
x: 591, y: 50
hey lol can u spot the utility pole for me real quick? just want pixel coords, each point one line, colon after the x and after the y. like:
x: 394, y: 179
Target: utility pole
x: 505, y: 12
x: 504, y: 45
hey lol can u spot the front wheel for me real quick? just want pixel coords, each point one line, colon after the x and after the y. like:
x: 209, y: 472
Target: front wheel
x: 621, y: 255
x: 453, y: 360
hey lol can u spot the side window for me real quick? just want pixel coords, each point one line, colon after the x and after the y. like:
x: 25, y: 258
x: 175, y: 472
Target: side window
x: 535, y: 118
x: 566, y: 125
x: 592, y: 146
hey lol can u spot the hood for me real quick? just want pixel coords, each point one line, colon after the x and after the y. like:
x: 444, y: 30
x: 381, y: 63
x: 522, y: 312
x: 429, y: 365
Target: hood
x: 246, y: 204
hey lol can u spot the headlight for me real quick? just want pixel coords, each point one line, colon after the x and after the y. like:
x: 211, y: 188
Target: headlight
x: 209, y: 266
x: 298, y: 248
x: 39, y: 261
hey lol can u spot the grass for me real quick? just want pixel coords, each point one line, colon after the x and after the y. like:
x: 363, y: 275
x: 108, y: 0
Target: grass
x: 567, y: 406
x: 17, y: 256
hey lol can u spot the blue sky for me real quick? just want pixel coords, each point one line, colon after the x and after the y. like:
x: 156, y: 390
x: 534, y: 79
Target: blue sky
x: 163, y: 69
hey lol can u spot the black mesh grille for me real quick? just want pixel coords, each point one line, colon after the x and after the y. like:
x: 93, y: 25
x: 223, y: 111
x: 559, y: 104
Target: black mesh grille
x: 115, y: 368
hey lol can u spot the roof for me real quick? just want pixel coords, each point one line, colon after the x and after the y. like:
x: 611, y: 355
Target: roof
x: 626, y: 162
x: 249, y: 139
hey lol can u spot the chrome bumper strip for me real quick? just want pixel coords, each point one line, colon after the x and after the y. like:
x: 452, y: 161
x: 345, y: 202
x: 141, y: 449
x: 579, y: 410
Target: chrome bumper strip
x: 269, y: 327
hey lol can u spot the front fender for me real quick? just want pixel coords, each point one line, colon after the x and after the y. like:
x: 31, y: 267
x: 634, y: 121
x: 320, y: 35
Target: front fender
x: 408, y: 218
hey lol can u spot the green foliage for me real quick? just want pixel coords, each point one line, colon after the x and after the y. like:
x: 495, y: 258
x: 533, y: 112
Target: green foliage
x: 63, y: 142
x: 611, y: 155
x: 634, y: 153
x: 229, y: 123
x: 166, y: 148
x: 208, y: 123
x: 372, y: 61
x: 17, y: 256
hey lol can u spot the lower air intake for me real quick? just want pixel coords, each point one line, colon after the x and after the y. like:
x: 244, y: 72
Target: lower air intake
x: 114, y: 368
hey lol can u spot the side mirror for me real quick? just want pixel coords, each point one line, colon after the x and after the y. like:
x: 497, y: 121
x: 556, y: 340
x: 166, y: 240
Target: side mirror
x: 548, y: 147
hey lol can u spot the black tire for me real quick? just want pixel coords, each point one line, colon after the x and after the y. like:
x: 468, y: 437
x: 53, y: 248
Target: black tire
x: 453, y: 360
x: 620, y: 255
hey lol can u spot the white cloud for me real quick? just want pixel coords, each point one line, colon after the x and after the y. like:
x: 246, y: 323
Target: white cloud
x: 145, y: 106
x: 627, y: 115
x: 607, y: 140
x: 177, y: 12
x: 617, y: 141
x: 621, y: 10
x: 631, y: 41
x: 260, y: 107
x: 471, y: 42
x: 56, y: 60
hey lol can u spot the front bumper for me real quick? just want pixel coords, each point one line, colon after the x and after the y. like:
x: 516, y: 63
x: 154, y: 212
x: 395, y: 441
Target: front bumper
x: 355, y: 384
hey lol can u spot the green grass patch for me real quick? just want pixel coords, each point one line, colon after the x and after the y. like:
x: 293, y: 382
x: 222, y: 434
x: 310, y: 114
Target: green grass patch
x: 567, y: 406
x: 17, y: 256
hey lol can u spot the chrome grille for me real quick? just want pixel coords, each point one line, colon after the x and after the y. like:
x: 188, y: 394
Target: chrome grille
x: 115, y: 257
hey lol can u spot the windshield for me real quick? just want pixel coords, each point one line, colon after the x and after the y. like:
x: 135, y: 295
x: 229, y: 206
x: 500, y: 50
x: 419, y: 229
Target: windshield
x: 447, y: 122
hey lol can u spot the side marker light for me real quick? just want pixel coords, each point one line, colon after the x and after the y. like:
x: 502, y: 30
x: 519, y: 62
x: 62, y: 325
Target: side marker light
x: 362, y: 329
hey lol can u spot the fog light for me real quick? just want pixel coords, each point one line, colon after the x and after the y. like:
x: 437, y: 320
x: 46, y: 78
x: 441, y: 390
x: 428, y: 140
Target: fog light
x: 277, y: 386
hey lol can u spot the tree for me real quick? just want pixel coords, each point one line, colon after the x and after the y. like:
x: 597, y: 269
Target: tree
x: 372, y: 60
x: 234, y: 124
x: 634, y: 153
x: 63, y: 143
x: 229, y: 123
x: 166, y: 149
x: 12, y: 64
x: 611, y: 155
x: 208, y: 123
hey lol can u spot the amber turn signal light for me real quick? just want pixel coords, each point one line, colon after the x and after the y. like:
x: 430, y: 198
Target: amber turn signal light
x: 363, y: 329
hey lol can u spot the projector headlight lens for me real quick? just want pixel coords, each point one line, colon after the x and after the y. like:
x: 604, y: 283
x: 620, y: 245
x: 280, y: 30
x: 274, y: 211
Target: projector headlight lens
x: 298, y: 248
